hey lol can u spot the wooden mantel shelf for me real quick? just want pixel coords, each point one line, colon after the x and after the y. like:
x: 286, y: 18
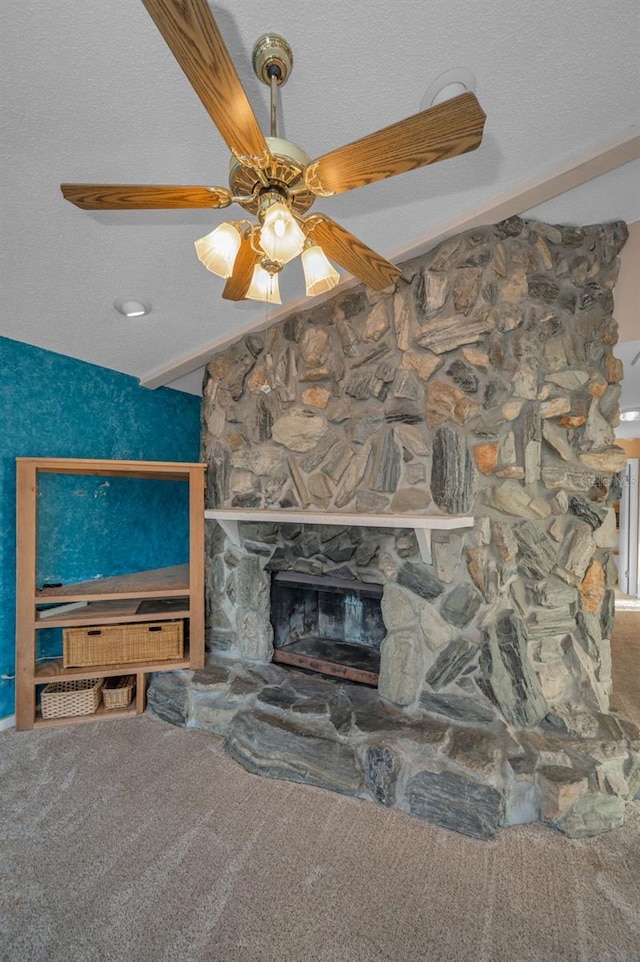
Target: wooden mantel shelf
x: 422, y: 524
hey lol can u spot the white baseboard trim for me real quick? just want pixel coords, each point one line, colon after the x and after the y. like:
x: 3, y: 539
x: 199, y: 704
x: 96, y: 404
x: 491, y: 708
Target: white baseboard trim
x: 8, y: 722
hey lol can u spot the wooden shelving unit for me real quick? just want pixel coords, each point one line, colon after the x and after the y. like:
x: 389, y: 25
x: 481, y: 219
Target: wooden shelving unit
x: 108, y: 600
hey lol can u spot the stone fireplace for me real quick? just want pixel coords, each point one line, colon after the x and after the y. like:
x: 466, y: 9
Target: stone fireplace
x: 479, y: 395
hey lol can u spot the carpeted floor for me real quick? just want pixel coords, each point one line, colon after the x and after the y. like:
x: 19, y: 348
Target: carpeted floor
x: 134, y: 840
x: 625, y: 664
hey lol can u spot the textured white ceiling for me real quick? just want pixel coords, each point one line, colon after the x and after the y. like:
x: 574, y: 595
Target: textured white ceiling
x: 91, y: 93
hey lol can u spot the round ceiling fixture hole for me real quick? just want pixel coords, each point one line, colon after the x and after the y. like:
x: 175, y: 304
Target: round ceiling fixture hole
x: 131, y: 307
x: 449, y: 84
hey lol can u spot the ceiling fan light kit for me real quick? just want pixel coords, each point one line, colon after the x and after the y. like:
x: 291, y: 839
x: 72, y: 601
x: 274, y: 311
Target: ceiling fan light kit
x: 218, y: 250
x: 280, y: 237
x: 319, y: 274
x: 274, y: 179
x: 264, y: 286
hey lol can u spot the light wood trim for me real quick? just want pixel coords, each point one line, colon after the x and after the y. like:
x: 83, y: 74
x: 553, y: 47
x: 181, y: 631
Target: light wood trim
x: 626, y: 293
x: 26, y: 481
x: 158, y: 470
x: 196, y: 567
x: 599, y: 159
x: 631, y: 446
x: 141, y: 692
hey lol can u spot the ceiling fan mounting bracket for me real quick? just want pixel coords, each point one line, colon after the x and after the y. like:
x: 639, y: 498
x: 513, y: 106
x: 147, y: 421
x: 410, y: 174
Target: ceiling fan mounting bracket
x: 272, y: 59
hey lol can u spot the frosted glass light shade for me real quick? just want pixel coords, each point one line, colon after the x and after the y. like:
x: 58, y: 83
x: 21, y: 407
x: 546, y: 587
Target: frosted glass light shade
x: 319, y: 274
x: 264, y: 286
x: 218, y: 250
x: 281, y: 238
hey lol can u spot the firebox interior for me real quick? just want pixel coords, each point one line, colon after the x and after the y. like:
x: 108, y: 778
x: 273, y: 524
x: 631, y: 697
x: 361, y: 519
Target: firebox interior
x: 327, y: 625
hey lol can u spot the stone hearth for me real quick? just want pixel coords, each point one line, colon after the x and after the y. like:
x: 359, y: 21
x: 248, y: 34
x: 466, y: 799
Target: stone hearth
x: 449, y: 761
x: 483, y: 384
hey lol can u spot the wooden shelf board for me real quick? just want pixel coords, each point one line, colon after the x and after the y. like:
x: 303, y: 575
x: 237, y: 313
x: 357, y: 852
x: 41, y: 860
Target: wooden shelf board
x: 422, y: 524
x: 341, y: 518
x: 158, y: 583
x: 108, y: 613
x: 111, y: 595
x: 102, y: 714
x: 53, y: 671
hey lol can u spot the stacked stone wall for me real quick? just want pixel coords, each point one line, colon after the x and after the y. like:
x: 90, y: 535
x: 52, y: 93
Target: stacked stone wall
x: 484, y: 383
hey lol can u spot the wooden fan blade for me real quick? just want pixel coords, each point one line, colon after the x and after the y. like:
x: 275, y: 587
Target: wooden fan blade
x: 350, y: 252
x: 238, y: 284
x: 143, y: 196
x: 193, y: 37
x: 451, y: 128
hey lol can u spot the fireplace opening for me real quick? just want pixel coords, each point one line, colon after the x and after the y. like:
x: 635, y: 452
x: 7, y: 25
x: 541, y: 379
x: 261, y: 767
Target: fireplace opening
x: 327, y: 625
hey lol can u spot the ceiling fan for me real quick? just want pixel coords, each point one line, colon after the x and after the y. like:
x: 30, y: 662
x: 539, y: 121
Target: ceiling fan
x: 274, y: 179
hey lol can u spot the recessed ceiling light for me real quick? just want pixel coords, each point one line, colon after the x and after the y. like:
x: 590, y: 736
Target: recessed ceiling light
x: 131, y: 307
x: 632, y: 415
x: 449, y: 84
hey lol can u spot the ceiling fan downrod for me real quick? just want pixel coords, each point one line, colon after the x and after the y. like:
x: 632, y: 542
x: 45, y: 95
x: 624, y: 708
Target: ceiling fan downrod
x: 272, y: 64
x: 274, y: 100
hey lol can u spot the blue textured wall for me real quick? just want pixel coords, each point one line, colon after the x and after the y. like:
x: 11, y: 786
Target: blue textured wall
x: 55, y: 406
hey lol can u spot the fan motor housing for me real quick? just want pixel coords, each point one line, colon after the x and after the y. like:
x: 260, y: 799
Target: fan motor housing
x: 284, y: 173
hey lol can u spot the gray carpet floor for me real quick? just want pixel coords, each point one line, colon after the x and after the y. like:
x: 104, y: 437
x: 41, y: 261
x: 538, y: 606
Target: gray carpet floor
x: 134, y: 840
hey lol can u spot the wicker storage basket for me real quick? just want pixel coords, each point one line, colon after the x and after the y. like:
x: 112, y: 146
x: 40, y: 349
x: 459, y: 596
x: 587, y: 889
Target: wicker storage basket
x: 122, y: 644
x: 118, y: 692
x: 62, y: 699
